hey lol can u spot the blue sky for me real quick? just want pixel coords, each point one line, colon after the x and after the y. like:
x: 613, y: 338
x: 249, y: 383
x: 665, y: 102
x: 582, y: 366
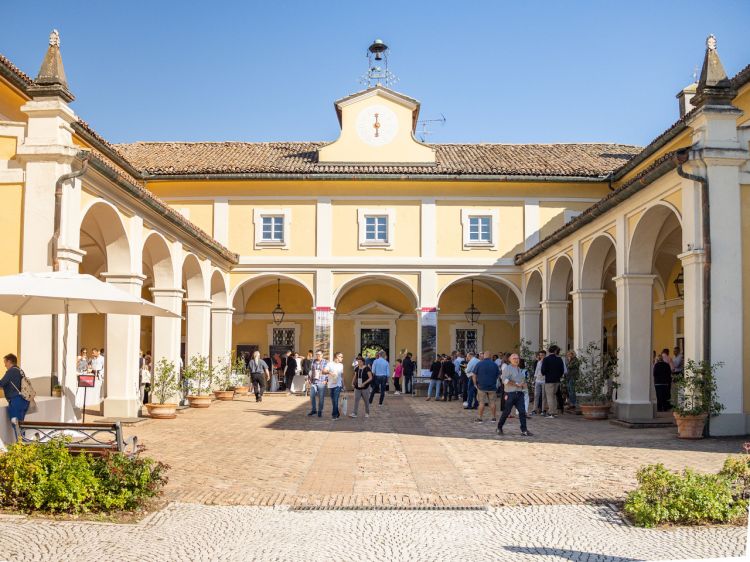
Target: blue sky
x: 499, y: 71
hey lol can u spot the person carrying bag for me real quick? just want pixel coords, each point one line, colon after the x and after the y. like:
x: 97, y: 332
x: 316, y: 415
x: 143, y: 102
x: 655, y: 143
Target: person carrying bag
x: 18, y: 390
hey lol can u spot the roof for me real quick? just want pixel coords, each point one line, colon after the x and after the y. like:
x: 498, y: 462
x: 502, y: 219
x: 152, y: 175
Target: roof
x: 291, y: 158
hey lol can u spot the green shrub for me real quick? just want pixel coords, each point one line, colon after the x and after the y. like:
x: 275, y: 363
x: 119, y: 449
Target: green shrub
x: 47, y: 477
x: 688, y: 498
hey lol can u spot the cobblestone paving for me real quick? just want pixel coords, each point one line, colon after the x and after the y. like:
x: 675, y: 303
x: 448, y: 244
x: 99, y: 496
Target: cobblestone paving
x: 199, y: 532
x: 409, y: 452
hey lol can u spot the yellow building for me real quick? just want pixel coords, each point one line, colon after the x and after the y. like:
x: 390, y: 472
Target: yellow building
x: 379, y: 240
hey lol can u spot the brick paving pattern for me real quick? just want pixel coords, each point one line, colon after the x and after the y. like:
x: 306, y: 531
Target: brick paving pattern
x: 408, y: 453
x: 198, y: 532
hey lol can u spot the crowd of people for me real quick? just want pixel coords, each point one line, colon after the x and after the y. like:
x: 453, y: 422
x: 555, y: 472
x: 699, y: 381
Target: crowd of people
x: 479, y: 381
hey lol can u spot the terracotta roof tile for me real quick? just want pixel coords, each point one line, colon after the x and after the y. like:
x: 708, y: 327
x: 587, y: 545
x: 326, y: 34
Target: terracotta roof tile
x: 188, y: 158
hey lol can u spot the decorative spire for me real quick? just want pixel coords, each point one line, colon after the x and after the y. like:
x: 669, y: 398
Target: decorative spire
x: 51, y: 79
x: 714, y: 87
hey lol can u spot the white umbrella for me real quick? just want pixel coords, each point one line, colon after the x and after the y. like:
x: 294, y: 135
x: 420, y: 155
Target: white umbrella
x: 63, y: 292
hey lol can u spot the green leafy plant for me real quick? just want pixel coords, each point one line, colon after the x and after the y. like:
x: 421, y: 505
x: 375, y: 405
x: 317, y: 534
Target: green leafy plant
x: 46, y: 477
x: 239, y: 372
x: 696, y: 389
x: 223, y: 375
x: 199, y: 375
x: 597, y: 375
x: 528, y: 355
x: 165, y: 383
x: 689, y: 498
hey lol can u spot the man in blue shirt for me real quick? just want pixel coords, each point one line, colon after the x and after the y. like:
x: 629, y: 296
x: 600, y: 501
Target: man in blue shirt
x: 485, y: 378
x: 380, y: 369
x: 471, y: 399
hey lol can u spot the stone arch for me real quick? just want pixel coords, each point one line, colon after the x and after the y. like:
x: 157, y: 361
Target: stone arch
x: 218, y: 289
x: 506, y: 291
x: 559, y: 279
x: 377, y: 278
x: 532, y: 296
x: 654, y: 225
x: 104, y: 238
x: 192, y: 278
x: 596, y: 261
x: 157, y: 261
x: 242, y: 292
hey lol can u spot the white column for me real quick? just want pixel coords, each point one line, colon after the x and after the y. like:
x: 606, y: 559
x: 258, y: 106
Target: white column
x: 555, y: 323
x: 531, y: 223
x: 221, y: 220
x: 323, y: 227
x: 46, y: 153
x: 531, y: 320
x: 123, y: 334
x: 198, y: 338
x: 221, y: 335
x: 692, y: 266
x: 167, y: 331
x: 587, y: 317
x: 428, y: 228
x: 634, y: 308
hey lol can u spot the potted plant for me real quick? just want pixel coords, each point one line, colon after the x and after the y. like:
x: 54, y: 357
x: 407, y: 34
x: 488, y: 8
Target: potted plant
x: 57, y: 391
x: 224, y: 381
x: 199, y: 376
x: 239, y: 376
x: 164, y: 385
x: 696, y: 398
x: 597, y: 379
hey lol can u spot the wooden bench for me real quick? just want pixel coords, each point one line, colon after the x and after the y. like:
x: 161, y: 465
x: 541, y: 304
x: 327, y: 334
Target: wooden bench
x: 95, y: 438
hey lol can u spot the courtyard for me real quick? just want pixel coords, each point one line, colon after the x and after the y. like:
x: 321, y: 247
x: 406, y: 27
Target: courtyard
x: 416, y: 480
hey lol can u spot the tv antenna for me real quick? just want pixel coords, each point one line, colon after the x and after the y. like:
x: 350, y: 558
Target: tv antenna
x: 425, y: 124
x: 377, y: 66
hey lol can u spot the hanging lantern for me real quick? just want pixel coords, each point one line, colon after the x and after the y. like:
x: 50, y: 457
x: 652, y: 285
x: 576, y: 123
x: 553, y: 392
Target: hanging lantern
x: 278, y: 312
x: 472, y: 313
x: 679, y: 284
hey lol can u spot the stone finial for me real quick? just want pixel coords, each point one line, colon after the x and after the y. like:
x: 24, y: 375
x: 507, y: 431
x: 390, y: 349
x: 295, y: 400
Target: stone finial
x: 51, y: 80
x: 714, y: 86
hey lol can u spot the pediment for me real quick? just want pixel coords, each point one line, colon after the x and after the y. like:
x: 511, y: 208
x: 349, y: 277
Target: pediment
x: 375, y: 308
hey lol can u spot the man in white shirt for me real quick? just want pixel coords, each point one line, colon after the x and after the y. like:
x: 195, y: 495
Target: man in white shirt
x: 540, y: 399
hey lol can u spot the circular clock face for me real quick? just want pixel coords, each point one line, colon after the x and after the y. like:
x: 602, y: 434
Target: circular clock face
x: 377, y: 125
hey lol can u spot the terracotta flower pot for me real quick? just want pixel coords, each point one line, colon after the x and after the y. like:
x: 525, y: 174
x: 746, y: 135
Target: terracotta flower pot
x: 203, y: 401
x: 224, y: 395
x: 690, y: 427
x: 162, y: 411
x: 241, y: 390
x: 595, y: 412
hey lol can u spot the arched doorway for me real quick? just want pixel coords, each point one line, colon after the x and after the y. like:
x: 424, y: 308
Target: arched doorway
x: 497, y: 328
x: 375, y: 313
x: 557, y: 315
x: 595, y: 303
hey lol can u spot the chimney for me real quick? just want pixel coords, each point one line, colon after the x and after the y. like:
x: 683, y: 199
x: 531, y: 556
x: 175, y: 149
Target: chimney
x: 685, y: 96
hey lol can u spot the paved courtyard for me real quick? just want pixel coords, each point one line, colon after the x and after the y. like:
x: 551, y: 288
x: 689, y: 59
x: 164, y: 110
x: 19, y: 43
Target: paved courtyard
x: 416, y: 481
x: 409, y: 452
x: 197, y: 532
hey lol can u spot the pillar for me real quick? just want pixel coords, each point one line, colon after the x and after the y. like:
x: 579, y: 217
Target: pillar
x: 634, y: 309
x: 198, y: 338
x: 121, y: 370
x: 555, y: 323
x: 531, y: 324
x: 167, y: 331
x: 588, y: 307
x: 692, y: 267
x: 221, y: 335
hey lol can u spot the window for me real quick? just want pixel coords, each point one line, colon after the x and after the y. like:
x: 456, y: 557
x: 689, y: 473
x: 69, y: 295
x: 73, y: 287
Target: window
x: 466, y: 340
x: 479, y: 229
x: 376, y: 229
x: 273, y: 229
